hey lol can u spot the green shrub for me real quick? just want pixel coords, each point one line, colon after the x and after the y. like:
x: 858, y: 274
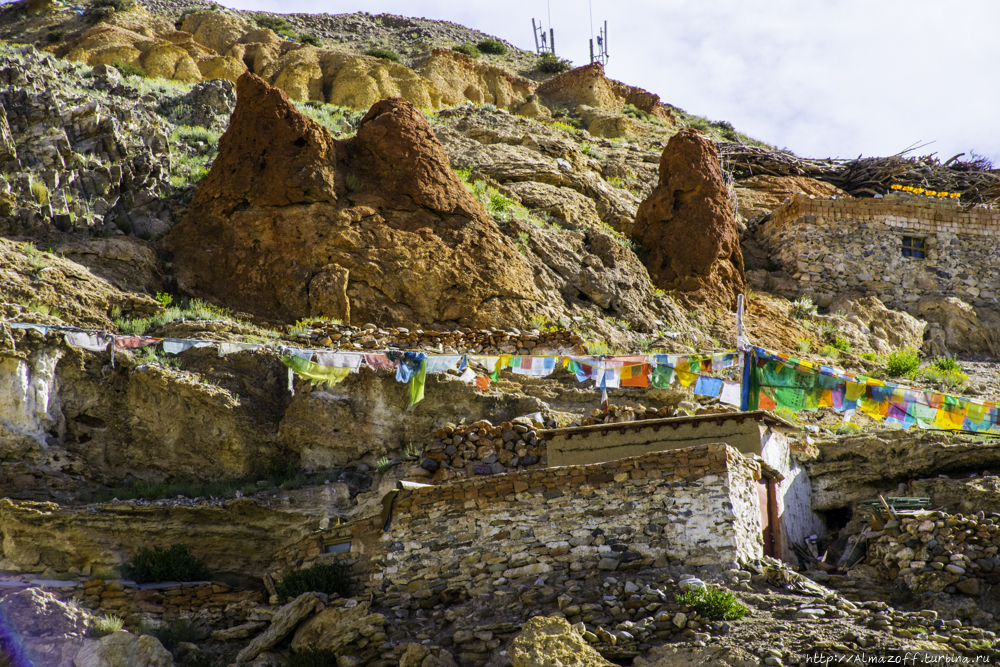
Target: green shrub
x: 311, y: 40
x: 276, y: 23
x: 803, y: 307
x: 106, y: 625
x: 901, y: 363
x: 847, y: 428
x: 130, y: 69
x: 803, y: 346
x: 327, y: 578
x: 842, y: 343
x: 171, y: 632
x: 468, y: 49
x: 310, y: 657
x: 117, y: 5
x: 158, y: 564
x: 55, y: 33
x: 830, y: 352
x: 383, y: 53
x: 717, y: 604
x: 946, y: 364
x: 868, y: 356
x: 494, y: 47
x: 552, y: 64
x: 950, y: 379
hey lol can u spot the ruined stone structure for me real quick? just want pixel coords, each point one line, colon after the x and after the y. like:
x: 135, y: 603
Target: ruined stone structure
x: 899, y: 250
x: 695, y: 506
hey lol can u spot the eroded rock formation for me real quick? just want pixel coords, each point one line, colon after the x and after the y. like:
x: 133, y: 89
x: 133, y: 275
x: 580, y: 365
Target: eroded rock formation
x: 589, y: 86
x: 686, y: 226
x: 287, y: 210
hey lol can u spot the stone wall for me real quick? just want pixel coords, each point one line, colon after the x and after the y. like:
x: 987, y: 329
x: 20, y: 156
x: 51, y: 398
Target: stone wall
x: 829, y: 246
x: 935, y: 551
x: 694, y: 506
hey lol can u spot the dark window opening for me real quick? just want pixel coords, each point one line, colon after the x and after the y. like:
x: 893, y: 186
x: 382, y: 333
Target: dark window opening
x: 913, y: 246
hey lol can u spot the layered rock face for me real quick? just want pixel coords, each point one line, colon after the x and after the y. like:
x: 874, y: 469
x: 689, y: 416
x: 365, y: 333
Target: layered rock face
x: 589, y: 86
x: 291, y: 223
x: 686, y: 226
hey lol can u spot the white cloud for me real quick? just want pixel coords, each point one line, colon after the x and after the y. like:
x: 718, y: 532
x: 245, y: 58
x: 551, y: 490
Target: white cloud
x: 827, y: 78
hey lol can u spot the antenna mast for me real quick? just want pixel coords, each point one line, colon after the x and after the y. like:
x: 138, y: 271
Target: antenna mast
x: 544, y: 43
x: 601, y: 55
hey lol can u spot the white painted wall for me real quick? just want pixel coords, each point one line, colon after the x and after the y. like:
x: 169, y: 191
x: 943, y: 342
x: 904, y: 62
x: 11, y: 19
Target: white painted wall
x: 795, y: 513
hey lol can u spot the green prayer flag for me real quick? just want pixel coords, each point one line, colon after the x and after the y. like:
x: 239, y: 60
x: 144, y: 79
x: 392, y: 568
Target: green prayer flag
x: 417, y: 383
x: 662, y: 376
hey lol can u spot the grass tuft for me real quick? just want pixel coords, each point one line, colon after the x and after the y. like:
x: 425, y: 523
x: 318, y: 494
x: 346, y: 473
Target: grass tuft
x: 714, y: 603
x: 157, y: 564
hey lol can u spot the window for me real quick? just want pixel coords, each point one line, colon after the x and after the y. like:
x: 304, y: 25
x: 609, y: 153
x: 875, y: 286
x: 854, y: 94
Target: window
x: 913, y: 246
x: 341, y: 546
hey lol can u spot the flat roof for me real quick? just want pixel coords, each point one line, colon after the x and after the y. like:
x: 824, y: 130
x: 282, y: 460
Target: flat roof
x: 675, y: 422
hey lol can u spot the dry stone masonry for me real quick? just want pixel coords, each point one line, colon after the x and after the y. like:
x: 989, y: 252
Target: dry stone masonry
x: 831, y: 246
x: 935, y: 551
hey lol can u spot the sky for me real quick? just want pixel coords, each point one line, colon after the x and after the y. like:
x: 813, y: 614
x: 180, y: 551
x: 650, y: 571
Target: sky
x: 824, y: 78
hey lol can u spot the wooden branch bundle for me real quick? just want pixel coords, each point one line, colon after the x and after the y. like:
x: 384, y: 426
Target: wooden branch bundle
x: 975, y: 180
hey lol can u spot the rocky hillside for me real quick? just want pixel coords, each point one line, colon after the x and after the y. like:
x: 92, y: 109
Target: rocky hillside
x: 240, y: 183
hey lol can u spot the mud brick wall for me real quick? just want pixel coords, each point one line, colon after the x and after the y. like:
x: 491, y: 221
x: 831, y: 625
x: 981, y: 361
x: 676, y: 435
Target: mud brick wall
x: 690, y: 506
x: 829, y: 246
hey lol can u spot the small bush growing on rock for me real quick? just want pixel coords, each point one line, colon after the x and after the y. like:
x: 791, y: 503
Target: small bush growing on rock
x: 310, y: 657
x: 105, y: 626
x: 275, y: 23
x: 158, y: 564
x: 802, y: 308
x: 383, y: 53
x: 946, y: 364
x: 311, y: 40
x: 494, y: 47
x: 130, y: 69
x: 901, y: 363
x: 117, y: 5
x: 842, y: 344
x: 326, y: 578
x: 468, y: 49
x: 170, y: 633
x: 549, y: 63
x: 717, y: 604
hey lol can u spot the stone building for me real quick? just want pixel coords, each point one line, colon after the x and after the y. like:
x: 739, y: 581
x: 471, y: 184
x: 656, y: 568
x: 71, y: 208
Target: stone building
x: 696, y: 506
x: 784, y: 490
x: 899, y: 249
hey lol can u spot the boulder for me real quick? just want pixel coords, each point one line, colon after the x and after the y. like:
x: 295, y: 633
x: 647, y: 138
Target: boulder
x: 282, y: 625
x: 607, y: 124
x: 334, y: 628
x: 123, y: 649
x: 686, y: 226
x: 126, y: 262
x: 550, y: 641
x: 564, y: 203
x: 879, y: 329
x: 33, y: 612
x: 959, y: 328
x: 286, y: 206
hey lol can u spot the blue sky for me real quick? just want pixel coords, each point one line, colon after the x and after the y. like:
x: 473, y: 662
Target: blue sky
x: 829, y: 78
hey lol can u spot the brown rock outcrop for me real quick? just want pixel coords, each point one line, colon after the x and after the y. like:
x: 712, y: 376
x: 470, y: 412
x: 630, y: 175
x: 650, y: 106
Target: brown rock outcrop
x: 762, y: 194
x: 686, y: 226
x: 287, y: 210
x: 589, y: 86
x: 459, y: 78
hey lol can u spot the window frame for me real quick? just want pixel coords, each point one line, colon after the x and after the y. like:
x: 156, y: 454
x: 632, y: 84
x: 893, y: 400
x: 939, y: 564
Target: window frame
x: 909, y: 248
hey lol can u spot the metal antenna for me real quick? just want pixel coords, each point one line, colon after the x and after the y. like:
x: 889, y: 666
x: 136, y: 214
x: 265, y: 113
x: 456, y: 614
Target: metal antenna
x: 601, y: 55
x: 543, y: 43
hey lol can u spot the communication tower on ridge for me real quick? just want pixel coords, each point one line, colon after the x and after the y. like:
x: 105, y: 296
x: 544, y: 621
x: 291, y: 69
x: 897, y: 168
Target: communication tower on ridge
x: 543, y: 43
x: 601, y: 55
